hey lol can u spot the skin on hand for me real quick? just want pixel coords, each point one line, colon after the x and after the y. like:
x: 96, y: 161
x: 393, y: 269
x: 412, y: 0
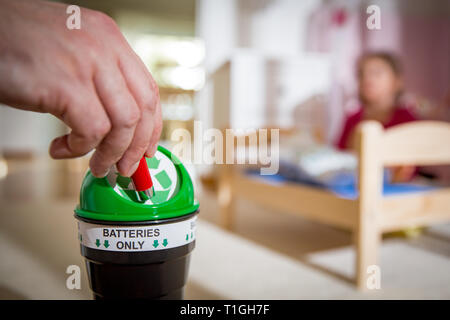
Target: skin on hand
x: 89, y: 78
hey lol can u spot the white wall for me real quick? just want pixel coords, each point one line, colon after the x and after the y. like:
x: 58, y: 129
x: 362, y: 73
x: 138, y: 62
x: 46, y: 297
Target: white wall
x: 271, y: 27
x: 265, y: 89
x: 216, y: 22
x: 279, y: 27
x: 26, y: 131
x: 216, y: 25
x: 270, y: 74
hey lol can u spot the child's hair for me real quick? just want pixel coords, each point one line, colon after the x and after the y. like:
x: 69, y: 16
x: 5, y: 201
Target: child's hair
x: 392, y: 61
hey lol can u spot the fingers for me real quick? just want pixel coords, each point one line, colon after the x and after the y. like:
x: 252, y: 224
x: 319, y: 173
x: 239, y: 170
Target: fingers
x: 124, y: 115
x: 153, y: 145
x: 111, y: 121
x: 89, y: 122
x: 146, y: 94
x: 122, y: 122
x: 130, y: 159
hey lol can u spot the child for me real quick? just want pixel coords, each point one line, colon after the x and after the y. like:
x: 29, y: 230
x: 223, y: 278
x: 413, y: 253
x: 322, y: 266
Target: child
x: 380, y: 87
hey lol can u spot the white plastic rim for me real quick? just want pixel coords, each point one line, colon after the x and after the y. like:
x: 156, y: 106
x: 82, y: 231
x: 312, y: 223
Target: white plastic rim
x: 137, y: 238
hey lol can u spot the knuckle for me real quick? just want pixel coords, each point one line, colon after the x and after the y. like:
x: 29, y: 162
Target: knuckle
x: 96, y: 16
x: 106, y: 22
x: 107, y: 153
x: 100, y: 25
x: 155, y: 89
x: 100, y: 129
x: 136, y: 152
x: 60, y: 98
x: 150, y: 103
x: 92, y: 49
x: 131, y: 119
x: 45, y: 100
x: 158, y: 126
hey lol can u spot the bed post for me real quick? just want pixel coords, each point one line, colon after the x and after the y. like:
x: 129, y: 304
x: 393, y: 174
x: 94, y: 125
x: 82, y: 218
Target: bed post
x: 225, y: 185
x: 367, y: 232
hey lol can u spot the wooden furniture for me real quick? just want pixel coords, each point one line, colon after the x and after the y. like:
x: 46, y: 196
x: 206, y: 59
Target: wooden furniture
x: 370, y: 214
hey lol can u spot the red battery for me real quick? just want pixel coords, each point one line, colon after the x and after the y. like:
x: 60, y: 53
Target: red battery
x: 142, y: 180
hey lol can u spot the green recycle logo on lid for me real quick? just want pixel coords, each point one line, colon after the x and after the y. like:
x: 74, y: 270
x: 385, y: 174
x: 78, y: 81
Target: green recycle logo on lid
x: 162, y: 177
x: 113, y: 198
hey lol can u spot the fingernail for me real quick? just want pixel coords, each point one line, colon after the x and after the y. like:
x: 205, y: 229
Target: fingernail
x: 152, y: 151
x: 100, y: 174
x: 57, y: 149
x: 56, y: 153
x: 133, y: 169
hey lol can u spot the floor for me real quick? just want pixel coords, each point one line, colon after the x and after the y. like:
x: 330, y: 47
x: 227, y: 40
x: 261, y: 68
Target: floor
x: 286, y: 257
x: 269, y: 255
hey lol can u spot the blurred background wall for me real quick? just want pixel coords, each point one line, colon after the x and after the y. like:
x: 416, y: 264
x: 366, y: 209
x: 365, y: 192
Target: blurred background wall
x: 252, y: 63
x: 285, y: 52
x: 163, y: 34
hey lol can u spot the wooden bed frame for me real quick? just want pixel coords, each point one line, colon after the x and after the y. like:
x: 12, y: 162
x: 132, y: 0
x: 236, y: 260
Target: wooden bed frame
x: 371, y: 214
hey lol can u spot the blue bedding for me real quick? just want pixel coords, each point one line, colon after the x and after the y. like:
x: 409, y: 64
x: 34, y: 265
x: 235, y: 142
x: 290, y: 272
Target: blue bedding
x: 341, y: 184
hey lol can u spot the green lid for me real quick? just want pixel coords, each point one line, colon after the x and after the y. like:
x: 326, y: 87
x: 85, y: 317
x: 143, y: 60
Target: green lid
x: 112, y: 199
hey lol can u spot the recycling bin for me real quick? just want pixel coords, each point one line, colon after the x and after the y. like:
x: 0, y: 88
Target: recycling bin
x: 136, y: 249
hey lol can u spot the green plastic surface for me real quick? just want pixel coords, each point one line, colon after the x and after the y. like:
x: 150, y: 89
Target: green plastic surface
x: 99, y: 201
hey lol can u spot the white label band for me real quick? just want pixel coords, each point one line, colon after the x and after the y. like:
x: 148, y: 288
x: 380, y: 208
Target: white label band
x: 137, y: 238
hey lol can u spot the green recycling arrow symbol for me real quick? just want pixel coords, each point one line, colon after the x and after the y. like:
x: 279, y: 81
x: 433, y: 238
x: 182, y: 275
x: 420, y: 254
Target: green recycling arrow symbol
x: 153, y: 163
x: 163, y: 179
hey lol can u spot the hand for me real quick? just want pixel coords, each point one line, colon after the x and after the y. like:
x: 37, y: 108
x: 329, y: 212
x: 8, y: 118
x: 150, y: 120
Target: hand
x: 89, y: 78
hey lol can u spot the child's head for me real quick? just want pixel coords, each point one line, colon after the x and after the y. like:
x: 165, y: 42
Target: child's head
x: 380, y: 79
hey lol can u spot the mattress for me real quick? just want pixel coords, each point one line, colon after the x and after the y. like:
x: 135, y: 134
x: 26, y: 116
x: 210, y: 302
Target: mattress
x: 343, y: 185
